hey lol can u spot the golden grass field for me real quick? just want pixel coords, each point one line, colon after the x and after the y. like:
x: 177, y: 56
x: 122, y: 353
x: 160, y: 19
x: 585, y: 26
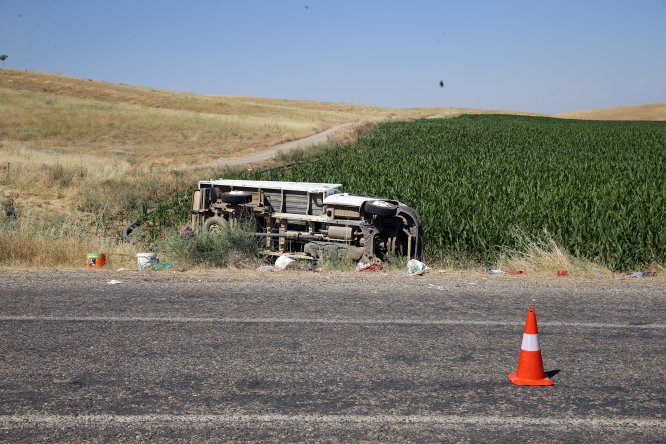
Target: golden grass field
x: 653, y: 111
x: 78, y: 156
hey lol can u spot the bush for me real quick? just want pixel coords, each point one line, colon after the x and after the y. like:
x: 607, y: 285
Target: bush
x: 232, y: 246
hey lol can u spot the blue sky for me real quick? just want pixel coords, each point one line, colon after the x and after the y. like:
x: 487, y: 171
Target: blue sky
x: 538, y: 55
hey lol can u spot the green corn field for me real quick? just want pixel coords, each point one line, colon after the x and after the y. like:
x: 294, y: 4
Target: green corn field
x: 598, y: 188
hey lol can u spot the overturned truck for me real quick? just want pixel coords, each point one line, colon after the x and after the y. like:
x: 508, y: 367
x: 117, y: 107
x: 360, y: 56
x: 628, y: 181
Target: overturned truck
x: 310, y: 220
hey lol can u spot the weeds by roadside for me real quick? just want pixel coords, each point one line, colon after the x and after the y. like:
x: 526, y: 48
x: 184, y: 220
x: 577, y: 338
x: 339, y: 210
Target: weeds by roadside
x: 31, y: 243
x: 235, y: 246
x: 543, y: 255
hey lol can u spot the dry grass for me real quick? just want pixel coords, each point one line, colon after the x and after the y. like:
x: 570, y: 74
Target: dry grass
x: 32, y: 243
x: 84, y: 189
x: 544, y: 257
x: 654, y: 111
x: 161, y: 136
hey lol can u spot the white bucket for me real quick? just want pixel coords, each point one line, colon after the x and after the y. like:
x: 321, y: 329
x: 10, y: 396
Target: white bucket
x: 145, y: 260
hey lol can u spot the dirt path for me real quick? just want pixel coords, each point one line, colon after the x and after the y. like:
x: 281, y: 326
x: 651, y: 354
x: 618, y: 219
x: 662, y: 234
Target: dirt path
x: 271, y: 152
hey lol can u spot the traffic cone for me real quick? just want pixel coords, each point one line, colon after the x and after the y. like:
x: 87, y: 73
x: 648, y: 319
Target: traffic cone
x: 530, y: 365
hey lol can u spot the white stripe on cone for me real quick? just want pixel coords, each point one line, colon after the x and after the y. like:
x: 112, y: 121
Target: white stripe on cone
x: 530, y: 342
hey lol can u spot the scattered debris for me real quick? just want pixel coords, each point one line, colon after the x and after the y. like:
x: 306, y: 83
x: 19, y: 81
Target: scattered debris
x: 438, y: 287
x: 122, y: 269
x: 267, y: 269
x: 372, y: 267
x: 11, y: 214
x: 186, y: 231
x: 416, y: 268
x: 641, y: 274
x: 161, y: 266
x: 95, y: 260
x: 284, y: 263
x: 114, y: 282
x: 145, y: 260
x: 562, y: 273
x: 500, y: 271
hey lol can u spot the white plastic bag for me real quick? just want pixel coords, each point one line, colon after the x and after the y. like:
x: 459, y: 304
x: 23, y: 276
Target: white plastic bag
x: 284, y: 262
x: 415, y: 267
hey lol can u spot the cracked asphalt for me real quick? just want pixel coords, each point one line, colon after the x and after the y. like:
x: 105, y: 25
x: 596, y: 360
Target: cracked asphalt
x: 295, y: 356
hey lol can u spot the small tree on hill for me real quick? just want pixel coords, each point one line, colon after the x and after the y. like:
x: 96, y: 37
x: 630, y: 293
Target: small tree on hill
x: 3, y: 57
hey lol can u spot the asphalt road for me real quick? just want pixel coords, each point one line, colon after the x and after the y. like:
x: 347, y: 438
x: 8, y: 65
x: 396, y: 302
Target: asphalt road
x: 326, y: 357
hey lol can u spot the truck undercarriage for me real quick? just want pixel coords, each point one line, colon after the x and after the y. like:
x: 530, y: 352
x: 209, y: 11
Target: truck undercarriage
x: 310, y: 220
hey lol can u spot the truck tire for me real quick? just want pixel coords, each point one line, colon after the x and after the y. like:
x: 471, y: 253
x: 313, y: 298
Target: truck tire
x: 380, y: 208
x: 236, y: 197
x: 215, y: 224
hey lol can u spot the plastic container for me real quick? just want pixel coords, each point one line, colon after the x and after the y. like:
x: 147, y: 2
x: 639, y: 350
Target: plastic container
x: 146, y: 260
x: 95, y: 260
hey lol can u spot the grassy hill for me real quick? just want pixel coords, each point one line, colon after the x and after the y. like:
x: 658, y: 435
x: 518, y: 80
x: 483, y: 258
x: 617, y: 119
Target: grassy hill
x: 164, y: 127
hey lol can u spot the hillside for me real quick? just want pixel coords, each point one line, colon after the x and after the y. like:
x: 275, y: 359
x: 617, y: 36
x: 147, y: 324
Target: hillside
x: 83, y: 116
x: 654, y: 111
x: 168, y: 128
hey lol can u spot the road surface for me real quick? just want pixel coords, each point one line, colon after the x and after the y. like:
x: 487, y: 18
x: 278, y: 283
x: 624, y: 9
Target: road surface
x: 298, y: 356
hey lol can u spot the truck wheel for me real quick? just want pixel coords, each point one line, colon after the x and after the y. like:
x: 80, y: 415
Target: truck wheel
x: 236, y: 197
x: 380, y: 208
x: 215, y: 224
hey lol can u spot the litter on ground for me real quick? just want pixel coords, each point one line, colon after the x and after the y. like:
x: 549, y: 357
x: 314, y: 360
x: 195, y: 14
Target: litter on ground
x: 372, y: 267
x: 416, y: 268
x: 642, y: 274
x: 284, y: 263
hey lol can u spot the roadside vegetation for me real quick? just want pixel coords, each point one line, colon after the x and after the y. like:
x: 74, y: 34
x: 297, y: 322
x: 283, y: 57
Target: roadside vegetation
x: 232, y: 247
x: 81, y: 159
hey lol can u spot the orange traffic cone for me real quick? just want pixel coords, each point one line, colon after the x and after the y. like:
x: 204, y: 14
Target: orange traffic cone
x: 530, y: 365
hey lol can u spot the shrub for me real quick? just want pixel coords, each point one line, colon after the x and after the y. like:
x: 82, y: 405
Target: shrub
x: 233, y: 246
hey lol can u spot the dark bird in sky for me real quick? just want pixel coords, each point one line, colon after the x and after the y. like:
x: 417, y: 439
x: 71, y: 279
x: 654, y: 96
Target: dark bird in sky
x: 441, y: 84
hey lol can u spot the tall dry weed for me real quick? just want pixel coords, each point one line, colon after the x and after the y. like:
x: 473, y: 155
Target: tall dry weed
x: 28, y: 243
x: 544, y: 256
